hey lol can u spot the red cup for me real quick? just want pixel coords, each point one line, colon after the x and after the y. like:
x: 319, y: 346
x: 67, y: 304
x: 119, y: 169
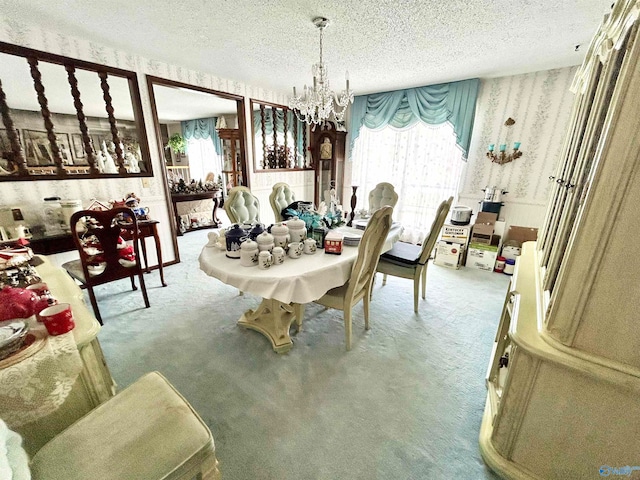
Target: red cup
x: 40, y: 288
x: 57, y: 319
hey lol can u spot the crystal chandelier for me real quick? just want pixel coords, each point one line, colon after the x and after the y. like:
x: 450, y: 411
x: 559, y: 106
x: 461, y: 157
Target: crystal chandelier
x: 320, y: 103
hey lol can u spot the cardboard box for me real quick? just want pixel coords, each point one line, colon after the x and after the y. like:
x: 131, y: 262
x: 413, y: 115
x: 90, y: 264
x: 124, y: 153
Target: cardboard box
x: 448, y: 254
x: 482, y: 256
x: 522, y: 234
x: 483, y: 228
x: 456, y: 233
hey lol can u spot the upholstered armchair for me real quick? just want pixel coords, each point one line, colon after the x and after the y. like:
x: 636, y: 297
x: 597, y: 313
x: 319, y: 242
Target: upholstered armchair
x: 281, y: 196
x: 383, y: 194
x: 241, y: 206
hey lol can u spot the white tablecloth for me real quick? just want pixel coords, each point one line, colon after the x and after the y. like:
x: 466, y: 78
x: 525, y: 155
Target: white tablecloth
x: 300, y: 280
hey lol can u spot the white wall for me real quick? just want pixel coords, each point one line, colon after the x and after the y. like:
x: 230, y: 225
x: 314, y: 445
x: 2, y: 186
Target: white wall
x: 540, y: 103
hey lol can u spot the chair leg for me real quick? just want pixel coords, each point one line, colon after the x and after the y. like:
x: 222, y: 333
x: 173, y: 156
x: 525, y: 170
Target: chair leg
x: 424, y: 282
x: 366, y: 300
x: 94, y: 304
x: 416, y: 288
x: 384, y: 279
x: 144, y: 290
x: 347, y: 326
x: 133, y: 283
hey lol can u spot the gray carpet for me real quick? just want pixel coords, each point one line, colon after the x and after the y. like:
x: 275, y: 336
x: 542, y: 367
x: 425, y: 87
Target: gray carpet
x: 405, y: 403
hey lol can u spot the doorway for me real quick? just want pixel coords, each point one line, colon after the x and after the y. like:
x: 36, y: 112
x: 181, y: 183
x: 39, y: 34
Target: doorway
x: 202, y: 138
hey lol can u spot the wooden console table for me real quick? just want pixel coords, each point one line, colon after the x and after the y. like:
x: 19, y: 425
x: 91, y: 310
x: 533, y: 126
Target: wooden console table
x: 190, y: 197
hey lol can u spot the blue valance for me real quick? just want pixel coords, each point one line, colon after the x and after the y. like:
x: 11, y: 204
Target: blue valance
x: 453, y: 102
x: 292, y: 124
x: 201, y: 129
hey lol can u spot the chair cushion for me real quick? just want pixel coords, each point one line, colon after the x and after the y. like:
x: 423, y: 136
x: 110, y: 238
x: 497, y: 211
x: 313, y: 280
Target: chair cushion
x: 147, y: 431
x: 74, y: 268
x: 403, y: 253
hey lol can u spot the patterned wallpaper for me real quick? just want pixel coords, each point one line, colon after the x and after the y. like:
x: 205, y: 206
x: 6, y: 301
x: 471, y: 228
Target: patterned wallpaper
x: 540, y: 103
x: 31, y: 194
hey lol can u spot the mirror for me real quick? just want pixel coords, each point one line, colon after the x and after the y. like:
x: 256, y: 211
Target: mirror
x: 202, y: 135
x: 273, y: 149
x: 66, y: 118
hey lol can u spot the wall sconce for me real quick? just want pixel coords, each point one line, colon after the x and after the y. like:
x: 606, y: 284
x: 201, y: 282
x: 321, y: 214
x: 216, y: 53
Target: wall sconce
x: 502, y: 156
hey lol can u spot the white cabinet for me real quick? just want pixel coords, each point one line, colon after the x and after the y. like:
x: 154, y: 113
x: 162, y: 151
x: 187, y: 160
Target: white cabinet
x: 566, y: 404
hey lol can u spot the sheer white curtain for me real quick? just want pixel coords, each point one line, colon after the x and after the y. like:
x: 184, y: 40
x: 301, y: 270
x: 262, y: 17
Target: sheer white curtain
x: 203, y: 159
x: 422, y: 162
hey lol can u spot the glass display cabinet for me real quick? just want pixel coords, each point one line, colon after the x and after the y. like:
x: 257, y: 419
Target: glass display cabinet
x: 328, y: 152
x: 233, y: 172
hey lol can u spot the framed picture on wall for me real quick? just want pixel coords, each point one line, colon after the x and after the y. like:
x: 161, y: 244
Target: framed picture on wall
x: 79, y: 153
x: 6, y: 152
x: 38, y: 148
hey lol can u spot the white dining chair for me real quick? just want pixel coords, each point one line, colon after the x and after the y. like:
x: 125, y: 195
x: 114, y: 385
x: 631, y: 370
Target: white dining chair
x: 358, y: 287
x: 406, y: 260
x: 280, y: 198
x: 242, y: 206
x: 383, y: 194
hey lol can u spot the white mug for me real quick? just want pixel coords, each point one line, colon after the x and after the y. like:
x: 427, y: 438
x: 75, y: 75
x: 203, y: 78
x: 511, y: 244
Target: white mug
x: 278, y: 255
x: 309, y: 246
x: 295, y: 249
x: 265, y: 260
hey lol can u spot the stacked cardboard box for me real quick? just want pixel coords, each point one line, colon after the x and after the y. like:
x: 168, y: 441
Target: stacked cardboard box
x: 449, y: 254
x: 484, y: 244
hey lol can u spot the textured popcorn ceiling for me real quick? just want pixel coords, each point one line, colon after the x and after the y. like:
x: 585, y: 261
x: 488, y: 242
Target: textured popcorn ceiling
x: 385, y: 44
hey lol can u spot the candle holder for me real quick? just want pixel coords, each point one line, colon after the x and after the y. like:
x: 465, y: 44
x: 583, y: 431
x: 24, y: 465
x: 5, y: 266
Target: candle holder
x: 354, y: 201
x: 502, y: 156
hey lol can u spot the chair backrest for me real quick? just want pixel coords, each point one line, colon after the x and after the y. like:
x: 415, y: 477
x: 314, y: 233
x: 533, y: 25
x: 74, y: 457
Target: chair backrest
x: 97, y: 236
x: 281, y: 197
x: 383, y: 194
x: 241, y: 206
x: 436, y: 226
x: 369, y: 253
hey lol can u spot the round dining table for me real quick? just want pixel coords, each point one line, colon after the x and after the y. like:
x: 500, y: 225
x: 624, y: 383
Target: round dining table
x: 287, y: 287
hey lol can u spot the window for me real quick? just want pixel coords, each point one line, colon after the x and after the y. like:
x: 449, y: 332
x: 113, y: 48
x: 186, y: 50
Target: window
x: 203, y: 159
x: 422, y: 162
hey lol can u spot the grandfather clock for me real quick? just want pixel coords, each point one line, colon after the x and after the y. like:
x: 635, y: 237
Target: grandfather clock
x: 327, y: 151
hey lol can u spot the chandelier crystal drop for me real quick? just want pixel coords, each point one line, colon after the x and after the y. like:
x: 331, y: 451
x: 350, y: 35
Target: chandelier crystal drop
x: 319, y: 103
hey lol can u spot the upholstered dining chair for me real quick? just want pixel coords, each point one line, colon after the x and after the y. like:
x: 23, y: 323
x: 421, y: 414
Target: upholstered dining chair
x: 104, y: 255
x: 358, y: 287
x: 383, y: 194
x: 406, y: 260
x: 241, y: 206
x: 281, y: 196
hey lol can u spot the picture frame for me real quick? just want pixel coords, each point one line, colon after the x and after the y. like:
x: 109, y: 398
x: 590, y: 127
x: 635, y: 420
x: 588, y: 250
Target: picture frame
x: 38, y: 148
x: 6, y: 152
x: 79, y: 153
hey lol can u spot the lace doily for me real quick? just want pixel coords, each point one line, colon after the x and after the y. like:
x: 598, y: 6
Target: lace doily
x: 36, y: 386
